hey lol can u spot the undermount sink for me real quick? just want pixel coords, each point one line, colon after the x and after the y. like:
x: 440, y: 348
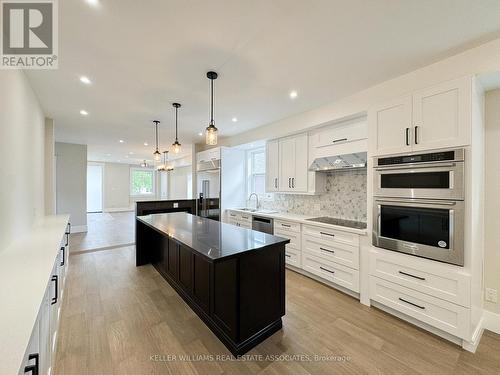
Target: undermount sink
x: 248, y: 209
x: 262, y: 211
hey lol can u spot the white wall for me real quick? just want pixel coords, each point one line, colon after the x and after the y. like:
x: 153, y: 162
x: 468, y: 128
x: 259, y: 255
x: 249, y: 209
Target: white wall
x: 22, y: 133
x: 116, y: 192
x: 492, y: 197
x: 482, y: 59
x: 179, y: 183
x: 71, y: 183
x: 50, y: 168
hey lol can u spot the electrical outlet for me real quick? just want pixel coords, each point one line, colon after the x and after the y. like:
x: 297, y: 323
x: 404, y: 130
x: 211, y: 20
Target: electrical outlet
x: 491, y: 295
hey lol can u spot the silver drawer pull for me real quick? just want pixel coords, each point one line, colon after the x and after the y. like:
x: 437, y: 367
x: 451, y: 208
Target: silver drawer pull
x: 327, y: 270
x: 339, y: 140
x: 286, y: 225
x: 328, y: 251
x: 410, y: 275
x: 232, y: 215
x: 327, y: 234
x: 411, y: 303
x: 288, y: 255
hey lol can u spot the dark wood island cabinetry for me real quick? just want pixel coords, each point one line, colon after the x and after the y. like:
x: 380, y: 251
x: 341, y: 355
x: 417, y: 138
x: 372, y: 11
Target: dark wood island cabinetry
x: 233, y: 278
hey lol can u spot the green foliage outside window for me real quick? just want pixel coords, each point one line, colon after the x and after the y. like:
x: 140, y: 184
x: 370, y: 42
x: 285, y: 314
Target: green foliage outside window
x: 141, y: 182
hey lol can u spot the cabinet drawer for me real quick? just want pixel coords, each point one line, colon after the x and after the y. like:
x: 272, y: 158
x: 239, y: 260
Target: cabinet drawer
x: 335, y: 236
x: 436, y: 312
x: 235, y: 215
x: 440, y: 281
x: 336, y: 273
x: 287, y: 226
x: 292, y: 257
x: 346, y: 255
x: 245, y: 224
x: 293, y: 237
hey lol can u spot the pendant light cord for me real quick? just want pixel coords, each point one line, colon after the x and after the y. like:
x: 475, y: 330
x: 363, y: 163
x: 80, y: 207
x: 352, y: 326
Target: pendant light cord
x: 176, y: 108
x: 211, y: 101
x: 156, y: 135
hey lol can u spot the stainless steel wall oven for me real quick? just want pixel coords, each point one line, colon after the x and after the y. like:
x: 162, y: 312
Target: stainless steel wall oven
x: 418, y: 205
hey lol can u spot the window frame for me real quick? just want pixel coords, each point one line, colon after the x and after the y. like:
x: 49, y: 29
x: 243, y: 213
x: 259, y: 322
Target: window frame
x: 140, y: 169
x: 250, y: 172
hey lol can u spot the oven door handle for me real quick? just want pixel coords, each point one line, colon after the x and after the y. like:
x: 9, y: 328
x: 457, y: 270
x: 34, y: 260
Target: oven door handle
x: 409, y: 167
x: 419, y: 203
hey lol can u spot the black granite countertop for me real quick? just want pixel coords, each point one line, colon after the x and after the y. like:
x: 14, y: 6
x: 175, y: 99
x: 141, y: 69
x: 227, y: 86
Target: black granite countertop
x: 212, y: 239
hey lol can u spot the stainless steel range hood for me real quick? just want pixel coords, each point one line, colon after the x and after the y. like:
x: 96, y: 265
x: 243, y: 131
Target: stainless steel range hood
x: 335, y: 162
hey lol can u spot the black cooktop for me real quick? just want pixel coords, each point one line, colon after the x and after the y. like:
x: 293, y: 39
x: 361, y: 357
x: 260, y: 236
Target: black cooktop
x: 339, y: 222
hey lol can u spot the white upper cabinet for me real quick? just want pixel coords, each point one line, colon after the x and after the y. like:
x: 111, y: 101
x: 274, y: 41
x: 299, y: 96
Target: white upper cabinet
x: 435, y: 117
x: 442, y: 115
x: 293, y: 163
x: 287, y: 163
x: 272, y: 166
x: 390, y: 125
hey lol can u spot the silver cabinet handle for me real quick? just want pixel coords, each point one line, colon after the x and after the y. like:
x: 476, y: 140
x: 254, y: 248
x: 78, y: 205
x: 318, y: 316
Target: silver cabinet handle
x: 286, y: 225
x: 407, y: 136
x: 410, y: 275
x: 276, y: 182
x: 293, y: 182
x: 288, y: 255
x: 327, y: 270
x: 411, y: 303
x: 339, y: 140
x: 416, y: 135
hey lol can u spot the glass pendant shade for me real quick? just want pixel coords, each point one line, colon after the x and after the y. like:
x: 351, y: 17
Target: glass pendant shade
x: 157, y: 155
x: 176, y: 147
x: 211, y: 135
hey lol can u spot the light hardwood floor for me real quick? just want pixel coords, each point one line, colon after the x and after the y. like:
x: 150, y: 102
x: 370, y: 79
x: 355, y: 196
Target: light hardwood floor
x: 115, y: 317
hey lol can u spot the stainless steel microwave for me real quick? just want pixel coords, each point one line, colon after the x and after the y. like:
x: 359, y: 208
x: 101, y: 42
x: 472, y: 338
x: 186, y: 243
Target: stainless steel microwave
x: 432, y: 229
x: 436, y: 175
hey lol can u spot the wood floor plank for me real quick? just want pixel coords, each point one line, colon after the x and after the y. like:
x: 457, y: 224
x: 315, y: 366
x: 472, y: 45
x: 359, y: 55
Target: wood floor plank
x: 120, y: 319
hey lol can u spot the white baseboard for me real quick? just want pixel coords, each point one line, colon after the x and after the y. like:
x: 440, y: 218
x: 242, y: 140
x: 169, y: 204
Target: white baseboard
x: 119, y: 209
x: 491, y: 321
x: 78, y: 228
x: 471, y: 346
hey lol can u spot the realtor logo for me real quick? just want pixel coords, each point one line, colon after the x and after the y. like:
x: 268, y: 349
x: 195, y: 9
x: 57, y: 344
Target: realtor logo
x: 29, y: 34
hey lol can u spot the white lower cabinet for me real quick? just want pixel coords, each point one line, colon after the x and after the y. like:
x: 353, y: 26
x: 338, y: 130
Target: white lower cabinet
x: 333, y: 272
x: 40, y: 352
x: 292, y: 231
x: 444, y: 315
x: 31, y: 360
x: 239, y: 219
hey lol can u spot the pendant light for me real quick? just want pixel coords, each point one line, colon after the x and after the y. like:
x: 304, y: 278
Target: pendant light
x: 176, y: 146
x: 166, y: 166
x: 156, y: 154
x: 144, y: 164
x: 211, y: 131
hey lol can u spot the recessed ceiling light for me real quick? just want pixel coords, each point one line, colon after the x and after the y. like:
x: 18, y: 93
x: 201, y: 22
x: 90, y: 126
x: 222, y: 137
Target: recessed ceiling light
x: 92, y: 2
x: 234, y: 119
x: 84, y: 112
x: 86, y: 80
x: 200, y: 134
x: 293, y: 94
x: 146, y: 144
x: 121, y: 141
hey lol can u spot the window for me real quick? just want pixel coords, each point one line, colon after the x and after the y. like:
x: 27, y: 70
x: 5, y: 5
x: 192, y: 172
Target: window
x: 256, y: 164
x: 142, y: 181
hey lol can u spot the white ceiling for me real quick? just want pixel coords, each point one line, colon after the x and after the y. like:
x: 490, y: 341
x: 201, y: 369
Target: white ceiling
x: 144, y: 55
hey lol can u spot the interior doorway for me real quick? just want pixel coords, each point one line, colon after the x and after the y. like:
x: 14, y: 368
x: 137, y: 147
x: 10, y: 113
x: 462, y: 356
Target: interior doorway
x: 94, y: 188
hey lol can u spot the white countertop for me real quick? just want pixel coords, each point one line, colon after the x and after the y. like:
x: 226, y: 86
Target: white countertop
x: 25, y: 270
x: 300, y: 219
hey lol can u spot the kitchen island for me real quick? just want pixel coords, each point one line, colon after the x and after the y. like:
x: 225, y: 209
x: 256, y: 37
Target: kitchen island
x: 233, y: 278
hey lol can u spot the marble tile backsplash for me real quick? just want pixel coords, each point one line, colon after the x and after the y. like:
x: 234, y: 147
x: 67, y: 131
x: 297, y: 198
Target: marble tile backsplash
x: 345, y: 198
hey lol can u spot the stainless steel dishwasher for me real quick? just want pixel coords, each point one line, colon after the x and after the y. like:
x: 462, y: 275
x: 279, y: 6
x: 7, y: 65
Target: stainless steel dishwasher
x: 263, y: 224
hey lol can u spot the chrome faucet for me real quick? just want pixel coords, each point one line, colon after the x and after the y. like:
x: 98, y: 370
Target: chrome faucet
x: 256, y: 200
